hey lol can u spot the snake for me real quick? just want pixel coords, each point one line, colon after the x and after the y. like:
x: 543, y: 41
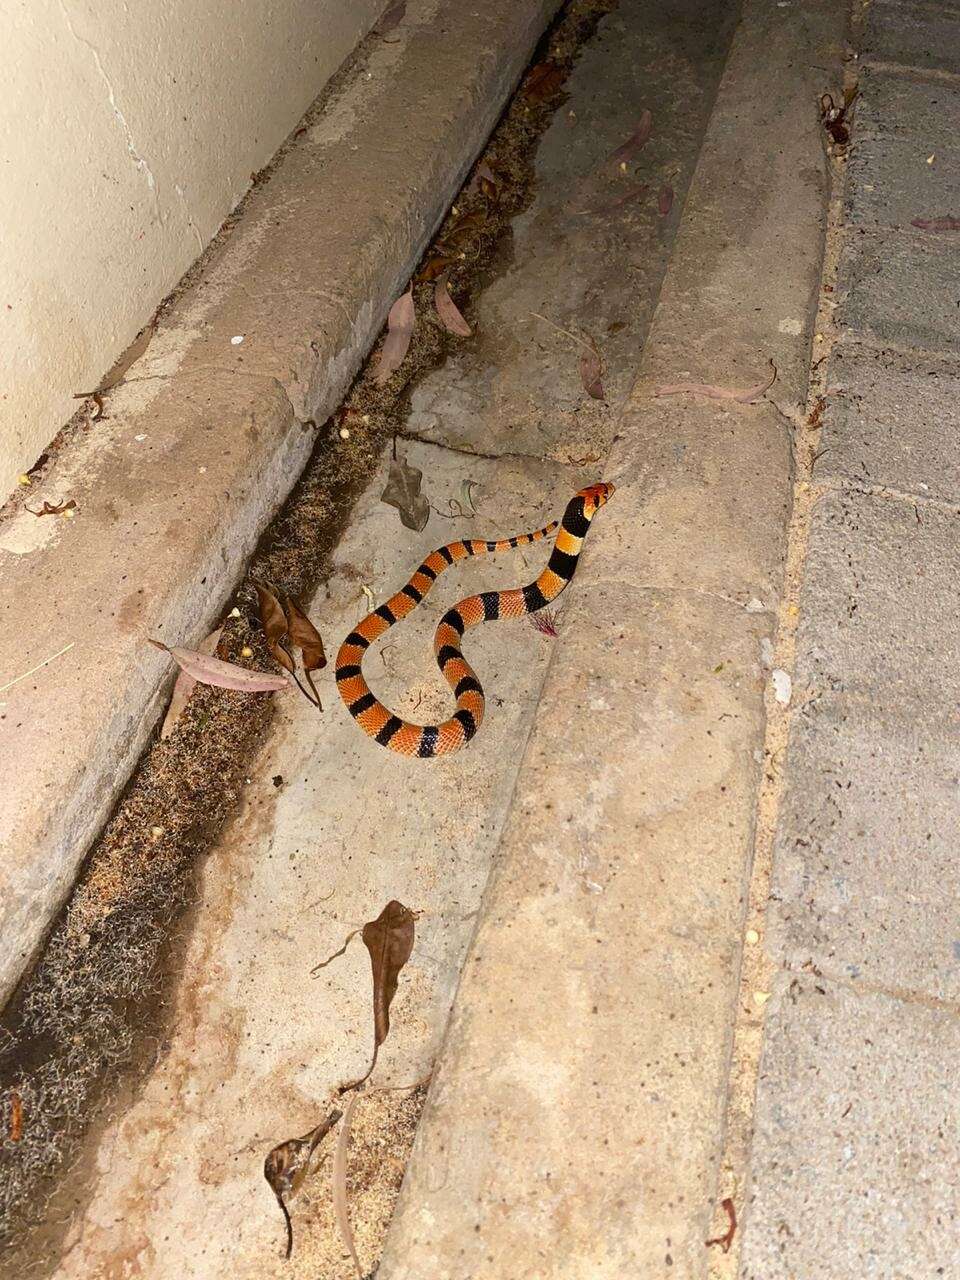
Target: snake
x: 426, y: 741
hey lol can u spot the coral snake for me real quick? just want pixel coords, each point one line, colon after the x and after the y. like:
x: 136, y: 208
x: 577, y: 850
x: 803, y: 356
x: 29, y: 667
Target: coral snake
x: 430, y: 740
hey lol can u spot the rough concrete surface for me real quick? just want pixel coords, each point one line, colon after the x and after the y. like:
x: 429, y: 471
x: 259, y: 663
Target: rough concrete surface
x: 872, y: 1187
x: 903, y: 160
x: 881, y: 622
x: 194, y: 453
x: 917, y: 35
x: 854, y: 1170
x: 256, y: 1046
x: 867, y: 847
x: 900, y: 288
x: 893, y: 421
x: 607, y: 953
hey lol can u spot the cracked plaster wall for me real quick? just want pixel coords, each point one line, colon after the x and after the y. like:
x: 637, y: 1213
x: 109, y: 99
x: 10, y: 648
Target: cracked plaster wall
x: 129, y: 130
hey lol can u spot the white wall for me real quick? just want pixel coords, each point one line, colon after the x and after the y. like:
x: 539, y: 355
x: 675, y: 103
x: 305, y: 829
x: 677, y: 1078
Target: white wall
x: 128, y: 131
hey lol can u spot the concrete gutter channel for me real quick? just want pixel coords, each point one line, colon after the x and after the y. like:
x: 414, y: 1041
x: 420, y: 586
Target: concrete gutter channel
x: 575, y: 1123
x: 207, y: 437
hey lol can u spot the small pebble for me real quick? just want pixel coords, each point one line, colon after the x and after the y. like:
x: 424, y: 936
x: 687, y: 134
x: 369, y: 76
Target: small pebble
x: 761, y: 997
x: 344, y: 433
x: 246, y: 652
x: 140, y: 437
x: 752, y: 937
x: 156, y: 832
x: 235, y: 342
x: 24, y: 479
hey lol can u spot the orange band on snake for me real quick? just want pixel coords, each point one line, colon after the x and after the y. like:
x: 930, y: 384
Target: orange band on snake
x: 429, y: 740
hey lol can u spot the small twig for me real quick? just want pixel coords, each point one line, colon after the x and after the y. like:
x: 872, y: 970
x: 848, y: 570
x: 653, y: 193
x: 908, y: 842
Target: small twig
x: 323, y: 963
x: 38, y: 667
x: 590, y: 346
x: 726, y: 1240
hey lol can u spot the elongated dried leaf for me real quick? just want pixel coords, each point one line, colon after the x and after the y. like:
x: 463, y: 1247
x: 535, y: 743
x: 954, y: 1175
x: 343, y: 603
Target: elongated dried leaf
x: 665, y: 201
x: 402, y: 491
x: 287, y: 1165
x: 740, y: 395
x: 447, y: 310
x: 274, y: 621
x: 224, y: 675
x: 339, y: 1185
x: 305, y: 637
x: 637, y: 139
x: 389, y: 939
x: 937, y: 224
x: 391, y: 17
x: 400, y: 324
x: 184, y: 686
x: 591, y: 372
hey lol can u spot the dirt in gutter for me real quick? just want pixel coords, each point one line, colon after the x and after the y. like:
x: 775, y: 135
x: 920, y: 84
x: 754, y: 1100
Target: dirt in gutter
x: 88, y: 1021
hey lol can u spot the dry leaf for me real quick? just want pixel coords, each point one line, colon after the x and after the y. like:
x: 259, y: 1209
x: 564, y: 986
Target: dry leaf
x: 305, y: 637
x: 726, y: 1240
x: 591, y: 372
x: 665, y: 201
x: 287, y: 1165
x: 389, y: 939
x: 543, y: 81
x: 223, y: 675
x: 741, y: 395
x: 447, y: 310
x: 400, y: 324
x: 946, y: 223
x: 54, y: 509
x: 464, y: 229
x: 434, y: 267
x: 274, y: 621
x: 637, y: 139
x: 339, y: 1184
x: 391, y: 17
x: 402, y: 491
x: 184, y: 685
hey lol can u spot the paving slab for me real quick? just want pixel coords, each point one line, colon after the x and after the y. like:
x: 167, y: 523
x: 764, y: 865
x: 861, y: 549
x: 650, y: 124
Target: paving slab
x: 919, y: 35
x: 866, y: 849
x: 194, y: 454
x: 901, y: 122
x: 892, y: 420
x: 880, y: 620
x: 606, y: 956
x: 900, y: 288
x: 855, y: 1171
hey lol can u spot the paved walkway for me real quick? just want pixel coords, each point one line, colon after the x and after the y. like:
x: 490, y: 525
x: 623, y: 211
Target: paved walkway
x: 855, y: 1164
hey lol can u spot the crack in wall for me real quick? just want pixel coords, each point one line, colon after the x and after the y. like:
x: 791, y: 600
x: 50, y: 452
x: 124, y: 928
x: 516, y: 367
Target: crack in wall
x: 138, y: 159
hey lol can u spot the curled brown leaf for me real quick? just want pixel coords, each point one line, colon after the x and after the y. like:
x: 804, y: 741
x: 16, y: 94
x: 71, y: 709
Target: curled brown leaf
x: 391, y: 17
x: 591, y: 373
x: 288, y: 1164
x: 665, y: 201
x: 275, y: 627
x: 402, y: 491
x: 543, y: 81
x: 15, y: 1124
x: 54, y: 508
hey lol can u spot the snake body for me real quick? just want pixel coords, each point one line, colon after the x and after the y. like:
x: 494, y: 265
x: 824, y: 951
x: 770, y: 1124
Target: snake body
x: 426, y: 741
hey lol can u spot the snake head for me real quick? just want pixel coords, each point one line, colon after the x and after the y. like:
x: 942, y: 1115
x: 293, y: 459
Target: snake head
x: 595, y: 496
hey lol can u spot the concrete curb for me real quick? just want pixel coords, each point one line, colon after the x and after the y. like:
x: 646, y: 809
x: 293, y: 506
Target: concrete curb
x: 207, y: 437
x: 575, y: 1121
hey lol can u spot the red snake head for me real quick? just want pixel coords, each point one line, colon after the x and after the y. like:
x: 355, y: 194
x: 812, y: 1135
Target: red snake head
x: 595, y: 496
